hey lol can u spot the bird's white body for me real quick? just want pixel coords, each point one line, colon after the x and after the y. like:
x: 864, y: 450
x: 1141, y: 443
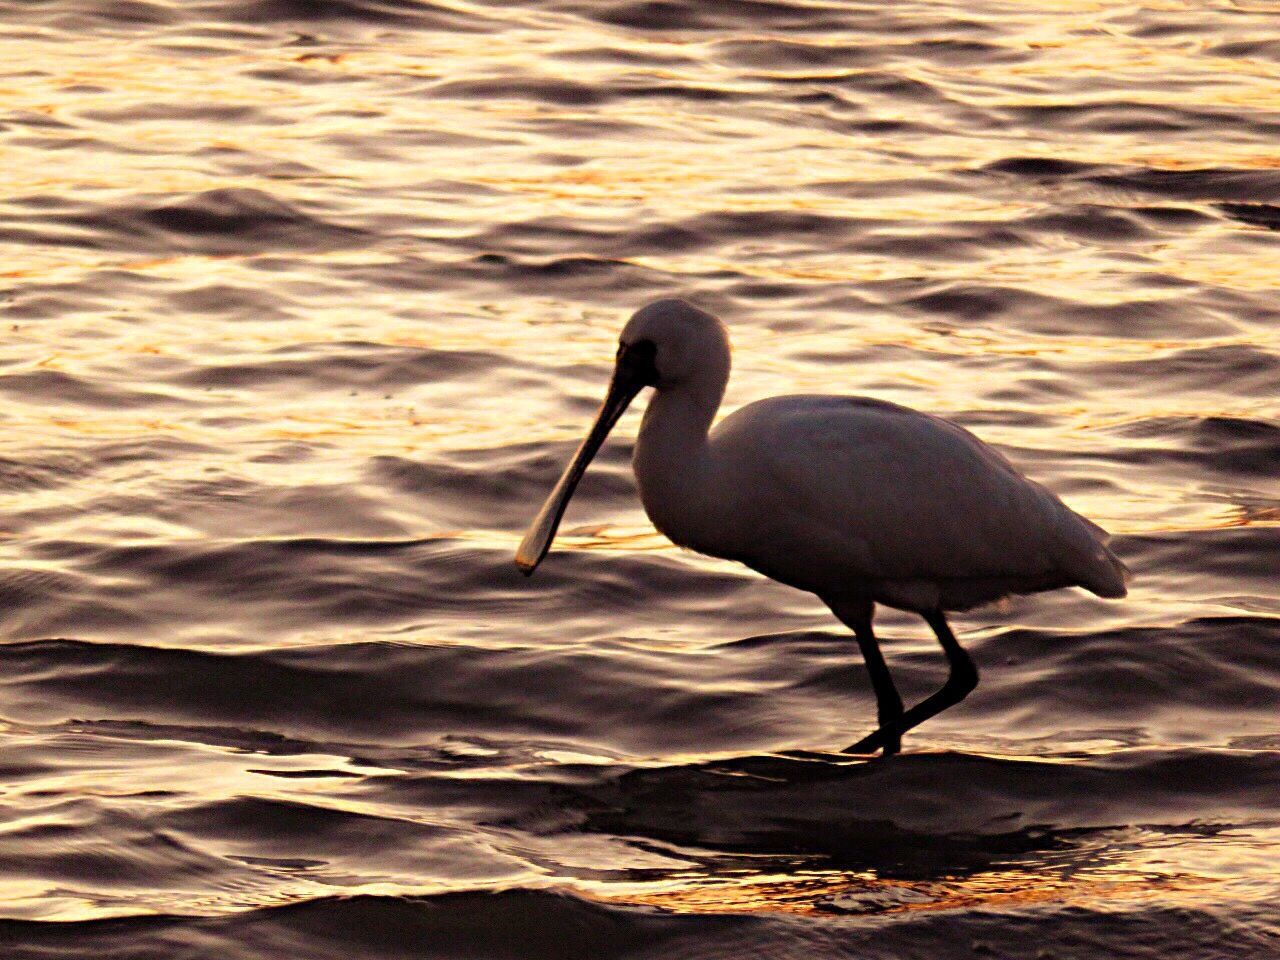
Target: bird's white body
x: 848, y: 495
x: 858, y: 501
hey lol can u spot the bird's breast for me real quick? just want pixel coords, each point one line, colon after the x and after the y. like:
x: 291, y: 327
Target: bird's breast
x: 682, y: 499
x: 671, y: 505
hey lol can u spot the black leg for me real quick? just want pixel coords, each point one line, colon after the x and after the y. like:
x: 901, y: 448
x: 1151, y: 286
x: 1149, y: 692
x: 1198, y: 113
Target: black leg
x: 960, y: 683
x: 857, y: 617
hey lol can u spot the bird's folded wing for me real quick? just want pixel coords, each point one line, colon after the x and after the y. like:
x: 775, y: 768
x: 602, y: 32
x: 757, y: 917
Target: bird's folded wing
x: 898, y: 493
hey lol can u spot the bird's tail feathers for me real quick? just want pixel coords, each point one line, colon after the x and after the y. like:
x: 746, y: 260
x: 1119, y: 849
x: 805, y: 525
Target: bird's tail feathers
x: 1110, y: 577
x: 1090, y: 562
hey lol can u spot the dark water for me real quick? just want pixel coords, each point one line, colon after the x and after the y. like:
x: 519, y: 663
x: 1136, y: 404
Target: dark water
x: 306, y: 302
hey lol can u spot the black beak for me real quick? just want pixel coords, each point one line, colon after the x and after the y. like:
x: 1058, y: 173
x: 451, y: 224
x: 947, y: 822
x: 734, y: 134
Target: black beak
x: 634, y: 370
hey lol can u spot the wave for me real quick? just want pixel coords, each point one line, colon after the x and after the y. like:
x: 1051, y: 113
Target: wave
x: 139, y: 15
x: 529, y: 924
x: 1226, y: 184
x: 1207, y: 681
x: 233, y: 221
x: 342, y: 365
x: 515, y: 924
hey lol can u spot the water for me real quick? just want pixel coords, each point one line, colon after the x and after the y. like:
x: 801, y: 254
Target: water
x: 306, y: 304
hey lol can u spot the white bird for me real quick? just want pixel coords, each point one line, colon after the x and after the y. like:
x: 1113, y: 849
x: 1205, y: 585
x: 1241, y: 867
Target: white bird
x: 856, y: 500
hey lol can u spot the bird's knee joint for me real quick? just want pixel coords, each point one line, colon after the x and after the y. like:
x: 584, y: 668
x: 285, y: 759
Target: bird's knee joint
x: 963, y: 679
x: 889, y: 701
x: 889, y: 714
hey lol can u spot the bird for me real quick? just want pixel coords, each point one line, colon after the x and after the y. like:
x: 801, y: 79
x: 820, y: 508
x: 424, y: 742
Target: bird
x: 856, y: 500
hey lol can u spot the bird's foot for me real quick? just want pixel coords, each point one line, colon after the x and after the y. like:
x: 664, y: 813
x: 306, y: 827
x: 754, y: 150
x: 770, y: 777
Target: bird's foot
x: 885, y: 741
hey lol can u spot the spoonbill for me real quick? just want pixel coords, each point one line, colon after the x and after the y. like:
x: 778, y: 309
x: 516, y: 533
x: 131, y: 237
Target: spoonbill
x: 856, y: 500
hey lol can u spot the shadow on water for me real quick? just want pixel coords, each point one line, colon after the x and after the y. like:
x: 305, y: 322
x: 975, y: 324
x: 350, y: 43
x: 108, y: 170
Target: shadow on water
x: 838, y: 812
x: 920, y: 819
x: 783, y: 856
x: 924, y: 815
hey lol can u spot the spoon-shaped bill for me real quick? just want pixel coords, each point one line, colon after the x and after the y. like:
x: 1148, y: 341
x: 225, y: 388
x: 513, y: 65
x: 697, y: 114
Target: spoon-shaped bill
x: 622, y: 390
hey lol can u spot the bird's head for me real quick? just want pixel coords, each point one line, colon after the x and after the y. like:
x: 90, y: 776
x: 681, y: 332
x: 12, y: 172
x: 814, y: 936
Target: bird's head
x: 670, y: 342
x: 667, y: 344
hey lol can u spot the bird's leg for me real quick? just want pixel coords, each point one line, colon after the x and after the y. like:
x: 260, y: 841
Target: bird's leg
x: 888, y: 702
x: 960, y: 683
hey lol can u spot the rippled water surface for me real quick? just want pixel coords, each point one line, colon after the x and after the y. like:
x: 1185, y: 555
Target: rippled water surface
x: 306, y: 302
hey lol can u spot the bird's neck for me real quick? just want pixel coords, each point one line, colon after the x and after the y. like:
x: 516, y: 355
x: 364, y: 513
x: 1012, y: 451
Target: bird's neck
x: 671, y: 454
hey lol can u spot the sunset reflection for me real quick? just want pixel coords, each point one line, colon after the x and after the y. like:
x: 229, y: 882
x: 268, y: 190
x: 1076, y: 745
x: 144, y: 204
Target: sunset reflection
x: 306, y: 305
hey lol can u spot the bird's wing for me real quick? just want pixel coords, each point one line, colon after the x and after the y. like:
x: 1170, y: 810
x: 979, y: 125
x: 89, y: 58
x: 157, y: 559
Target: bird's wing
x: 892, y: 492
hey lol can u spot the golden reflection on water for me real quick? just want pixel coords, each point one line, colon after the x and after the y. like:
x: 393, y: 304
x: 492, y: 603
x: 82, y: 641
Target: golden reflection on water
x: 1173, y: 871
x: 834, y: 892
x: 370, y: 137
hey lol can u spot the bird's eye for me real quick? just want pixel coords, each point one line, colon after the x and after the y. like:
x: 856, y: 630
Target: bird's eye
x: 640, y: 360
